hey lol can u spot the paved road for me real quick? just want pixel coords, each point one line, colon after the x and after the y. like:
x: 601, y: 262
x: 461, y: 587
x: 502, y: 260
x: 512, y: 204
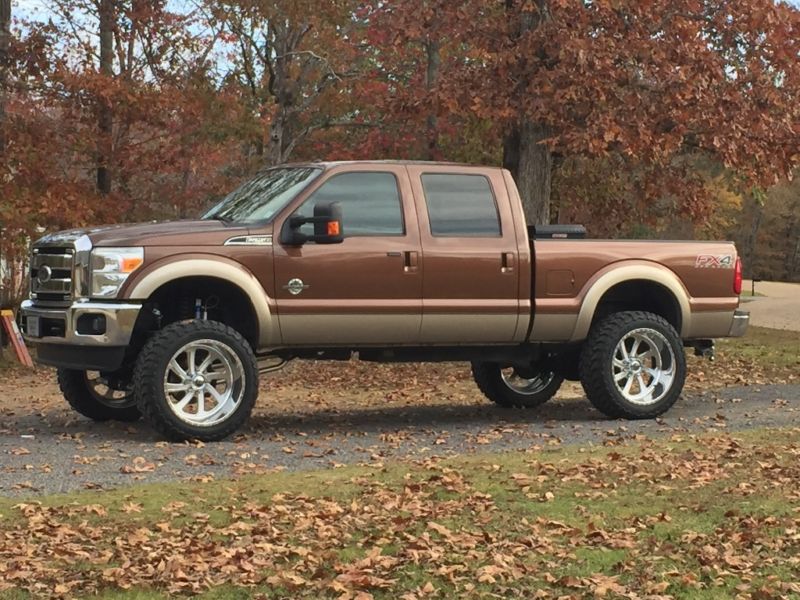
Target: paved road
x: 778, y: 308
x: 47, y: 449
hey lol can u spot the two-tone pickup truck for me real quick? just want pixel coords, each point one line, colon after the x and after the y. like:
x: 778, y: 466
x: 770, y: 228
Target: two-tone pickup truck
x: 392, y: 261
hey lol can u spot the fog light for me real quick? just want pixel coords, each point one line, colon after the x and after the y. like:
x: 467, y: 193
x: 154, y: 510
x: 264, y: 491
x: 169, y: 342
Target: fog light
x: 90, y: 324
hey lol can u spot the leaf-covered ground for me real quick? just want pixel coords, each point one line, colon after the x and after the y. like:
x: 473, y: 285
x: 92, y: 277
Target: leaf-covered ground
x: 673, y: 513
x: 715, y: 516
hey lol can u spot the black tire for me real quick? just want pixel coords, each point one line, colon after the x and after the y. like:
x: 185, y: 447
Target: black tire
x: 599, y: 370
x: 152, y: 367
x: 83, y: 396
x: 490, y: 381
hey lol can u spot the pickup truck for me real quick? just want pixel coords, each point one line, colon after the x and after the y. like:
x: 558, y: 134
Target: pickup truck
x: 389, y: 261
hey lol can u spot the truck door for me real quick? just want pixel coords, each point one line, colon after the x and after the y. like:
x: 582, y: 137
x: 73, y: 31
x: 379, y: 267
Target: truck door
x: 366, y: 290
x: 470, y: 285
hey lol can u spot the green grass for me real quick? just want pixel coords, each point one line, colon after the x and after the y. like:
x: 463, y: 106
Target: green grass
x: 767, y: 348
x: 560, y: 518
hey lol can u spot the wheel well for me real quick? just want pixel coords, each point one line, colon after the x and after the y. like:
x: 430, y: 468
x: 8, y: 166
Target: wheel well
x: 640, y: 294
x: 221, y: 300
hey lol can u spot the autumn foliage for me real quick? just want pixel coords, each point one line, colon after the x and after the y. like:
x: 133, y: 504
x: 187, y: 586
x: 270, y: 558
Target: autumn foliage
x: 630, y: 115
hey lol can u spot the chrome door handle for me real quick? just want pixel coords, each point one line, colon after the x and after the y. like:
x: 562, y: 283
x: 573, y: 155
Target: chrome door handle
x: 410, y: 261
x: 507, y: 261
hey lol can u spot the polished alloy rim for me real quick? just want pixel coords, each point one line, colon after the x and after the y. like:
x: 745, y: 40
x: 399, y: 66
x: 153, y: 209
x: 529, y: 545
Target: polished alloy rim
x: 105, y: 394
x: 521, y: 385
x: 643, y: 367
x: 204, y: 382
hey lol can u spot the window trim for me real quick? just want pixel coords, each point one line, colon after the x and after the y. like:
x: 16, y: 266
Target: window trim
x: 323, y: 183
x: 498, y: 235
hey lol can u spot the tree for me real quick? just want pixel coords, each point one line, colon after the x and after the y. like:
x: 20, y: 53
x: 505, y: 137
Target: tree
x: 647, y: 83
x: 289, y: 58
x: 5, y: 42
x: 105, y: 118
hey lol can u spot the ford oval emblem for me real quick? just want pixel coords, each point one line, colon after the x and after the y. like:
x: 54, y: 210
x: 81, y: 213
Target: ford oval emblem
x: 44, y: 274
x: 295, y: 286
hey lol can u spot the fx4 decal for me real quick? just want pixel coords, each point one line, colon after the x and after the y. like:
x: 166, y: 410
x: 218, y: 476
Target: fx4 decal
x: 710, y: 261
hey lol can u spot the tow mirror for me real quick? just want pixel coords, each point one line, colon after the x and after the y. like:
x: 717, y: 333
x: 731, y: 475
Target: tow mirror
x: 327, y: 221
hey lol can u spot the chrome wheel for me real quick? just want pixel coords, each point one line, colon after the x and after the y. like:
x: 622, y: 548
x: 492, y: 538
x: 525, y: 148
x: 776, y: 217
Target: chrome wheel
x: 204, y: 382
x: 105, y: 394
x: 643, y: 366
x: 524, y: 386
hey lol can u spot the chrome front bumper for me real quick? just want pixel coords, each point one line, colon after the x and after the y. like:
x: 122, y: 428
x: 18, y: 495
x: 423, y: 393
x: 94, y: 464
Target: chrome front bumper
x: 741, y: 319
x: 60, y: 325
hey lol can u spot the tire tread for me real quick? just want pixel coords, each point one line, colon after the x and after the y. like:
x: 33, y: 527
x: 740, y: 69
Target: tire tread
x: 605, y: 334
x: 487, y: 378
x: 148, y: 362
x: 72, y: 384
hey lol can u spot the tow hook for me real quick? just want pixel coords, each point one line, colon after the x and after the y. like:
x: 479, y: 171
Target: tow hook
x: 705, y: 348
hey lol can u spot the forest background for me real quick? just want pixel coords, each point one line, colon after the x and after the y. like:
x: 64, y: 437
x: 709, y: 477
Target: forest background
x: 639, y: 118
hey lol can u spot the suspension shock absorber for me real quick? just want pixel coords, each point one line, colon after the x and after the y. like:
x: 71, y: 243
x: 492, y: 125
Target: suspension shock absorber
x: 185, y: 309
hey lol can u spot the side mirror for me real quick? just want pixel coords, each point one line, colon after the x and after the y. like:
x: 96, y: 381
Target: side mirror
x: 327, y: 221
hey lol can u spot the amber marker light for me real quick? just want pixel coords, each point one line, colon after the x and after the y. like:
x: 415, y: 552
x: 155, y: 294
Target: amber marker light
x: 333, y: 228
x: 129, y: 264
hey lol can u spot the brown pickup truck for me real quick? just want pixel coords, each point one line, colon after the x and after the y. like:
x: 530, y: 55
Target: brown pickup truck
x: 392, y: 261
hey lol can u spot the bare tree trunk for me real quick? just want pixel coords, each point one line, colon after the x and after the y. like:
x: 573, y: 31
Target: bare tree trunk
x: 752, y: 239
x: 276, y: 144
x: 433, y: 52
x: 105, y: 118
x: 794, y: 269
x: 531, y: 164
x: 524, y: 154
x: 793, y: 252
x: 5, y: 41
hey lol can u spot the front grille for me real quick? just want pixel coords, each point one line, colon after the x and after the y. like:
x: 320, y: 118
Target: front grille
x: 51, y: 274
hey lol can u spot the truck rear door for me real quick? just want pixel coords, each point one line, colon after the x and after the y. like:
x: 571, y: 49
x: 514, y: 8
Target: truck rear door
x: 470, y: 255
x: 366, y: 290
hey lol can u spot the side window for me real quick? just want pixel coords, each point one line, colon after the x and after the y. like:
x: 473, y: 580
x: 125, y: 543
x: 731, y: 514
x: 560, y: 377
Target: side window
x: 370, y: 204
x: 461, y: 206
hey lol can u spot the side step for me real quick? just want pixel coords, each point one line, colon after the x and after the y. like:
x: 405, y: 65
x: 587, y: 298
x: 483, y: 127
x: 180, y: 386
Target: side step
x: 269, y: 363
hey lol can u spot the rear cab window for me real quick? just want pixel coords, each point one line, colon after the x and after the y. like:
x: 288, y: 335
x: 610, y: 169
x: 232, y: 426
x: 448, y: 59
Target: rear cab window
x: 460, y: 205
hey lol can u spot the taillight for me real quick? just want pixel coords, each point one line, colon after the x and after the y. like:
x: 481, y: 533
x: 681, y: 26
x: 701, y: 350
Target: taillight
x: 737, y: 277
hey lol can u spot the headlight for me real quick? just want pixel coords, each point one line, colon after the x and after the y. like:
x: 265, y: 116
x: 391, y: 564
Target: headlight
x: 111, y: 267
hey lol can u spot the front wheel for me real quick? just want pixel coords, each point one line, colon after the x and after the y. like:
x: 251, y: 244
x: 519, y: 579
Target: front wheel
x: 633, y: 365
x: 196, y: 380
x: 509, y: 389
x: 97, y: 397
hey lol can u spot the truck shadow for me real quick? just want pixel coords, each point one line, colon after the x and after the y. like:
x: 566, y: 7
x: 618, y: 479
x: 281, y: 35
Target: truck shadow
x: 431, y: 417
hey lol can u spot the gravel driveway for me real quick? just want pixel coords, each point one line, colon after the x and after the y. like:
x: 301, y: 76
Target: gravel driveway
x: 46, y: 448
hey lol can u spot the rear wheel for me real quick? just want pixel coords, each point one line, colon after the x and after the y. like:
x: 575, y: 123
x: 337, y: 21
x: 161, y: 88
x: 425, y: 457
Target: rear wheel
x: 196, y: 380
x: 97, y: 397
x: 633, y: 365
x: 507, y: 388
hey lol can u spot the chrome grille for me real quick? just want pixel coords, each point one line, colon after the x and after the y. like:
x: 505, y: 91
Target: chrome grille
x: 51, y: 274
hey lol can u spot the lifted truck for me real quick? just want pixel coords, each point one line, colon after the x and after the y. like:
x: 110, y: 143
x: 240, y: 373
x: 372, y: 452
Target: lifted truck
x: 394, y: 261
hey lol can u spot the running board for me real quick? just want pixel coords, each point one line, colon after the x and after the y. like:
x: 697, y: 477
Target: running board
x: 267, y: 364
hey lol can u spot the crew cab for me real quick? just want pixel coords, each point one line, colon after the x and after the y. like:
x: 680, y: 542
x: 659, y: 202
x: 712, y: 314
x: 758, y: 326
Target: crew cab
x: 389, y: 261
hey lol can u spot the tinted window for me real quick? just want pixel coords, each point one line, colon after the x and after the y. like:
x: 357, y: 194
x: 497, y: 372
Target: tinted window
x: 461, y: 206
x: 370, y: 203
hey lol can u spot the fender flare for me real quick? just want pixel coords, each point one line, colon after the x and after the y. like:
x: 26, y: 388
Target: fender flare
x: 161, y: 273
x: 617, y: 273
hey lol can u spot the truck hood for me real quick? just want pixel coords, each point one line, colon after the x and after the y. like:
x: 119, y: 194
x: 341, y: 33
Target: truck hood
x: 172, y: 233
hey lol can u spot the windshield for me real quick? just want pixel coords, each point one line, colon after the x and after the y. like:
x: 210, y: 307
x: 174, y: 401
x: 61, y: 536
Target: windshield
x: 263, y: 196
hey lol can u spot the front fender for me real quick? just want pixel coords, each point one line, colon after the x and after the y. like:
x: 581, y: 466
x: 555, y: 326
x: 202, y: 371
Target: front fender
x: 145, y: 283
